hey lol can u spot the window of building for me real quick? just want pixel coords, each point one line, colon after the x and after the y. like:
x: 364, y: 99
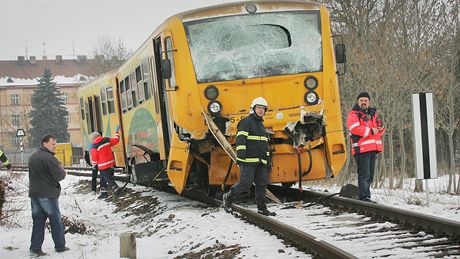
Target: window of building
x: 14, y: 99
x: 15, y: 120
x: 110, y: 102
x: 65, y: 97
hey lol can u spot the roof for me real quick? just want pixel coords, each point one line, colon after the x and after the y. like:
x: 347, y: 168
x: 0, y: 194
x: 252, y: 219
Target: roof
x: 26, y: 70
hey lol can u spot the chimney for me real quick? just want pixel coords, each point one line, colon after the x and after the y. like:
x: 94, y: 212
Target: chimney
x: 33, y: 60
x: 21, y: 60
x: 59, y: 59
x: 81, y: 58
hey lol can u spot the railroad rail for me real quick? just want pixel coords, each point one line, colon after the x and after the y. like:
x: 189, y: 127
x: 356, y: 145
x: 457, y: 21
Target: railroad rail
x: 404, y: 218
x: 321, y: 248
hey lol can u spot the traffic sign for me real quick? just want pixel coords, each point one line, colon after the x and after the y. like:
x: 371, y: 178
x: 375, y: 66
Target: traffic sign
x: 20, y: 133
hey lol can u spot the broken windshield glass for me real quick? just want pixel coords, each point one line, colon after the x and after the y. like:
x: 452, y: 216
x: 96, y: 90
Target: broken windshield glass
x: 255, y: 45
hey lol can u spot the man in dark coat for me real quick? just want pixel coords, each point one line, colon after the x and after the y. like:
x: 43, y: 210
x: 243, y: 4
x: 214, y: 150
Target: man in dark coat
x: 252, y: 150
x: 45, y: 173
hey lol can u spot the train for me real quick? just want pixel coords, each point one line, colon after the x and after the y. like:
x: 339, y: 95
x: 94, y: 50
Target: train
x: 211, y: 63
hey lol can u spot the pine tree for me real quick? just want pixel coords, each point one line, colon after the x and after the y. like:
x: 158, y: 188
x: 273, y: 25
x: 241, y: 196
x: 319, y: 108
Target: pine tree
x: 48, y: 111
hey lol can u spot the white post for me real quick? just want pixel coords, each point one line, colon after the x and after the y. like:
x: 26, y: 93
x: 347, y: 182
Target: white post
x: 21, y: 149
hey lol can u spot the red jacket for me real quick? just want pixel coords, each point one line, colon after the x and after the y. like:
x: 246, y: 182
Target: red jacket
x: 101, y: 153
x: 360, y: 126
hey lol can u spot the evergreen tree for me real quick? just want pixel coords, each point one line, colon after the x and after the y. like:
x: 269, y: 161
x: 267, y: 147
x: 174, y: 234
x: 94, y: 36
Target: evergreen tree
x: 48, y: 111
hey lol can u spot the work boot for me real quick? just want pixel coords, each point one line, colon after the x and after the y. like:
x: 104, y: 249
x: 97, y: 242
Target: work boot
x: 262, y: 209
x: 61, y: 250
x: 117, y: 191
x: 103, y: 195
x: 227, y: 201
x: 34, y: 254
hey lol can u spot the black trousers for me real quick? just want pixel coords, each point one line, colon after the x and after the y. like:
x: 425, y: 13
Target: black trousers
x: 94, y: 179
x: 366, y: 167
x: 253, y: 174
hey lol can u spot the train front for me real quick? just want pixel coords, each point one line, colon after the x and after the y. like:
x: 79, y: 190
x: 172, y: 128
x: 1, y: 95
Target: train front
x: 281, y: 51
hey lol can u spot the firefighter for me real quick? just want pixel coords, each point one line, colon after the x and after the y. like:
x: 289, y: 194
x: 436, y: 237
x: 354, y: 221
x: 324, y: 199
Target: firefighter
x: 4, y: 160
x: 253, y: 157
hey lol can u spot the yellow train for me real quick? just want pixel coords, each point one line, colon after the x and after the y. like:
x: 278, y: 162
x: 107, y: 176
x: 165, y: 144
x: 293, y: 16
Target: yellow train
x: 216, y: 60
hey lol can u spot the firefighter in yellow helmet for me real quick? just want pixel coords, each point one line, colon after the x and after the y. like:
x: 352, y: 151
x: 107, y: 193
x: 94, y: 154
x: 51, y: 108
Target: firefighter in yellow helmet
x: 253, y: 157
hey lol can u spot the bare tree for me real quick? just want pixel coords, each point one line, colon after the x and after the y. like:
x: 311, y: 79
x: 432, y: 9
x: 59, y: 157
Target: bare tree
x: 109, y: 54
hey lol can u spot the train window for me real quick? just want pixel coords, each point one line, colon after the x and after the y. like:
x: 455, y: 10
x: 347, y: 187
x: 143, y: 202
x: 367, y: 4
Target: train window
x: 123, y: 96
x: 133, y: 89
x: 146, y: 77
x: 127, y: 85
x: 110, y: 102
x: 169, y: 53
x: 140, y: 91
x: 282, y: 43
x: 138, y: 74
x: 103, y: 101
x: 82, y: 108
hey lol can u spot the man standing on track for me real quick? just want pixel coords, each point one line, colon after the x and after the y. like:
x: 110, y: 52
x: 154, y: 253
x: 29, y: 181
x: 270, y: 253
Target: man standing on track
x: 366, y: 132
x: 252, y: 149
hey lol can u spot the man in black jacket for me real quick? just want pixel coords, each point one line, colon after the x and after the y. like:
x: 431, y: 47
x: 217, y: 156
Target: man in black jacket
x: 45, y: 173
x: 253, y: 157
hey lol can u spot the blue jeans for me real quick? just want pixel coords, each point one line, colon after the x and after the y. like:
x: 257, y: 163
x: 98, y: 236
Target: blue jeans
x: 43, y: 208
x: 107, y: 178
x: 366, y: 166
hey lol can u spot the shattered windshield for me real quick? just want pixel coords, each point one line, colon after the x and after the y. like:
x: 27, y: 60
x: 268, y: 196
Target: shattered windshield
x: 256, y: 45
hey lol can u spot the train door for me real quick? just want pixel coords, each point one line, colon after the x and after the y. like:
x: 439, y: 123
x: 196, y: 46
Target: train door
x: 97, y: 114
x: 165, y: 120
x: 90, y: 117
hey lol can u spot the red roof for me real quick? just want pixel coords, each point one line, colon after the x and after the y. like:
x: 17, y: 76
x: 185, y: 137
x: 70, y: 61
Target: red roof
x: 26, y: 70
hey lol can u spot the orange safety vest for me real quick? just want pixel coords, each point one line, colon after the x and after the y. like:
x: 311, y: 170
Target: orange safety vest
x: 360, y: 126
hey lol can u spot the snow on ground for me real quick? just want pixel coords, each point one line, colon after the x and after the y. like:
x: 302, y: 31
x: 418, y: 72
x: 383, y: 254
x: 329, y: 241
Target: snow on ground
x: 169, y: 226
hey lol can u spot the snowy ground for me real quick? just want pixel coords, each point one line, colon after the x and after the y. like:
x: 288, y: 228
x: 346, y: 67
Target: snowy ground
x: 168, y: 226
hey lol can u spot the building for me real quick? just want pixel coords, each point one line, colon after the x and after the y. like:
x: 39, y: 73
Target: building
x: 18, y: 80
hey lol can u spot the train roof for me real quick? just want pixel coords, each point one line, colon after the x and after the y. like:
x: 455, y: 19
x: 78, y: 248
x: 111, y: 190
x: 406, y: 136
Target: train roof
x: 240, y: 8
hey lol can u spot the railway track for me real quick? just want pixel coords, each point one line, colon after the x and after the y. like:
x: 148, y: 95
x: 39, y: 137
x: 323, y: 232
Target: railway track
x: 340, y: 232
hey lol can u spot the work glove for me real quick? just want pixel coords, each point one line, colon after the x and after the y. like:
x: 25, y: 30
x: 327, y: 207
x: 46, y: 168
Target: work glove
x: 117, y: 128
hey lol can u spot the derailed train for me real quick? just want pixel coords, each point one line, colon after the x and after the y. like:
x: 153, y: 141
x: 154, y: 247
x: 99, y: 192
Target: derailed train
x: 215, y: 60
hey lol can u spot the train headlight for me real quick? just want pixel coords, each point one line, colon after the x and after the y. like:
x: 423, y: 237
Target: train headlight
x: 215, y: 107
x: 251, y: 8
x: 311, y: 83
x: 311, y: 98
x: 211, y: 92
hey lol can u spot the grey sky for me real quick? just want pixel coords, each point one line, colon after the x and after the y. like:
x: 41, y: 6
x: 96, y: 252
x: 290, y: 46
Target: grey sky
x: 73, y: 27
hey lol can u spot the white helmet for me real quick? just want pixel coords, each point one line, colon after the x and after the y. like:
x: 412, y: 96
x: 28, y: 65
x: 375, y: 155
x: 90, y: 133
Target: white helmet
x: 258, y: 101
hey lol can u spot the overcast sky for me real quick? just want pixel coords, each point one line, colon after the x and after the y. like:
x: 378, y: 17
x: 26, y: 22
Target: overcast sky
x: 69, y: 27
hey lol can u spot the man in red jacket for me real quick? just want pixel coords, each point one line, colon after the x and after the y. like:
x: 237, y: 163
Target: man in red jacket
x: 102, y: 157
x: 366, y: 132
